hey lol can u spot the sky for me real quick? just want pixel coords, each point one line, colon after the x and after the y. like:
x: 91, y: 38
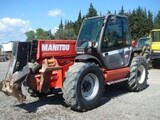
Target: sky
x: 19, y: 16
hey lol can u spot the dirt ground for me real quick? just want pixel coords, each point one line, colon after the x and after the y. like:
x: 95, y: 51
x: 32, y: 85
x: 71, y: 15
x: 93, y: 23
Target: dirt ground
x: 117, y: 103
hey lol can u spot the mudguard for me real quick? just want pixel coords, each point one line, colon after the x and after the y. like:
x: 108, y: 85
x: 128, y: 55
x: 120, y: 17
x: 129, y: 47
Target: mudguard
x: 87, y: 57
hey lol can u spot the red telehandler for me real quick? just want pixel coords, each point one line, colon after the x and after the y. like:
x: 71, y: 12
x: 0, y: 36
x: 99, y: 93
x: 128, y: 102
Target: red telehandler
x: 102, y: 54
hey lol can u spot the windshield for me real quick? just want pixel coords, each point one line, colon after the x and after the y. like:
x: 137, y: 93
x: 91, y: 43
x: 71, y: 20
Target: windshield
x: 155, y: 36
x: 90, y: 31
x: 143, y: 42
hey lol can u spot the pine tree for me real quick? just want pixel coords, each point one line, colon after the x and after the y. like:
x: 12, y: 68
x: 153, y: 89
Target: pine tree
x: 121, y: 12
x: 157, y: 21
x: 138, y: 23
x: 145, y: 13
x: 78, y: 23
x: 61, y: 24
x: 150, y: 21
x: 79, y: 16
x: 65, y: 34
x: 91, y: 11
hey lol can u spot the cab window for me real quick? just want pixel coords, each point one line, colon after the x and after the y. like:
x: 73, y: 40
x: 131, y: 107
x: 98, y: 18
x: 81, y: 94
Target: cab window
x: 116, y: 33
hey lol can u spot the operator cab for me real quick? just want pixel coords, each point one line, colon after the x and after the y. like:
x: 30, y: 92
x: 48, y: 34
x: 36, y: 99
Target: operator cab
x: 107, y: 39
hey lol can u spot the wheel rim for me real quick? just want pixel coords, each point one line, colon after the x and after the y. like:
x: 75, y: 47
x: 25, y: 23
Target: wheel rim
x: 141, y: 74
x: 89, y: 86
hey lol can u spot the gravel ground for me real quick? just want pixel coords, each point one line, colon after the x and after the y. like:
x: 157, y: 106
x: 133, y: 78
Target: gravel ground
x: 117, y: 103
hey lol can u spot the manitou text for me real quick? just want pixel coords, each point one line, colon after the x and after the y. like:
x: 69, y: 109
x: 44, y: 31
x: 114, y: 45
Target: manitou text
x: 55, y: 47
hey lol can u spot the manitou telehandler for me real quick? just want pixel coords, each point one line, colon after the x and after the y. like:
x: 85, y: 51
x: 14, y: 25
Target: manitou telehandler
x: 102, y: 55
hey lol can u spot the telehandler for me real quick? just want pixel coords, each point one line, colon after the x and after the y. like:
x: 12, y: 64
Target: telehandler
x: 102, y: 55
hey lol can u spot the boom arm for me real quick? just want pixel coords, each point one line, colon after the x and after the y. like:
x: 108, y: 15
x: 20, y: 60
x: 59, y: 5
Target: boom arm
x: 54, y: 56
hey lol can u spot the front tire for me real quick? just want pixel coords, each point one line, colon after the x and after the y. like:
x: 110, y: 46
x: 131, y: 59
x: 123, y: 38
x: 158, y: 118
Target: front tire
x: 83, y: 86
x: 138, y: 74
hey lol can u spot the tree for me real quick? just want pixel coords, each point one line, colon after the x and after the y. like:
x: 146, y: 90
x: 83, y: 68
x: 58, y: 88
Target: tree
x: 78, y: 23
x: 50, y: 35
x: 69, y: 24
x: 31, y: 35
x: 71, y: 29
x: 150, y: 21
x: 157, y: 21
x: 138, y: 23
x: 41, y: 34
x: 61, y: 24
x: 121, y: 12
x: 145, y: 13
x: 91, y: 11
x: 38, y: 34
x: 65, y: 34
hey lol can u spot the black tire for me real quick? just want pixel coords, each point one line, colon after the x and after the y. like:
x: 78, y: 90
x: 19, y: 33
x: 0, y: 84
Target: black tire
x: 83, y: 87
x: 138, y: 74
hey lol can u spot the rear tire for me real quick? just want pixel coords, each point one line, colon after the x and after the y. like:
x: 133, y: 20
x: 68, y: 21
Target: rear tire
x: 138, y: 74
x: 83, y: 86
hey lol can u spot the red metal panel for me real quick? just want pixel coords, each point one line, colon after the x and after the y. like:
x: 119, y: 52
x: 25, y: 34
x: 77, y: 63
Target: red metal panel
x: 49, y: 48
x: 117, y: 74
x: 56, y: 79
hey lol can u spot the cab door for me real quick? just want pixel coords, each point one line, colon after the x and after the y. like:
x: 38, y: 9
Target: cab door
x: 116, y: 43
